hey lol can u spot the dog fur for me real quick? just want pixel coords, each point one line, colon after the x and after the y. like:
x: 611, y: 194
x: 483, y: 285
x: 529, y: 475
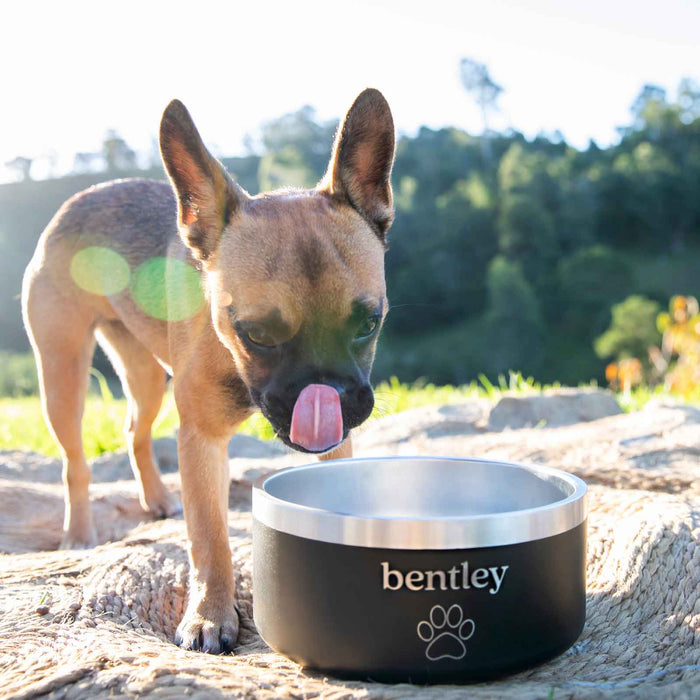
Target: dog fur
x: 292, y: 292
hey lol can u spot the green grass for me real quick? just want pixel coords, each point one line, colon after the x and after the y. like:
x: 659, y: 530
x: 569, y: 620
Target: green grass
x: 22, y: 425
x: 641, y: 395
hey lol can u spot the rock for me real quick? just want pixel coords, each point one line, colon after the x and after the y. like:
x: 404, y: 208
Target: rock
x: 165, y: 450
x: 29, y: 466
x: 122, y: 600
x: 553, y: 409
x: 428, y: 421
x: 247, y: 446
x: 115, y: 466
x: 111, y: 466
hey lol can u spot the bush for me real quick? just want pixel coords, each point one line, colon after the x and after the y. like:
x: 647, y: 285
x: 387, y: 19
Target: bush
x: 596, y: 276
x: 18, y: 375
x: 634, y: 339
x: 448, y: 355
x: 632, y: 331
x: 590, y: 281
x: 677, y: 361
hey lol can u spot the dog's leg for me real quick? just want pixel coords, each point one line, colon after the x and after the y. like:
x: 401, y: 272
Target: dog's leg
x: 63, y: 345
x: 210, y: 622
x: 143, y: 380
x: 343, y: 451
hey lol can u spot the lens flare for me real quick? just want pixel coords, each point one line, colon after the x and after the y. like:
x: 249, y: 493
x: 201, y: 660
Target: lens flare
x: 100, y: 270
x: 167, y: 289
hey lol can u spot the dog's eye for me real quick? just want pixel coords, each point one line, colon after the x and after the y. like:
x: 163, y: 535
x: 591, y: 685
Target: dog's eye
x: 259, y: 336
x: 255, y: 335
x: 368, y: 328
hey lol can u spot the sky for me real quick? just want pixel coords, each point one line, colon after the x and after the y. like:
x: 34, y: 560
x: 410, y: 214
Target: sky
x: 73, y: 69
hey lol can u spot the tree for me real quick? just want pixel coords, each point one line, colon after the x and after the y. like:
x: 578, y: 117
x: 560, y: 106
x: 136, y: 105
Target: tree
x: 653, y: 114
x: 285, y: 168
x: 648, y: 106
x: 22, y: 166
x: 590, y: 281
x: 116, y: 153
x: 84, y: 162
x: 632, y: 330
x: 514, y: 333
x: 689, y: 100
x: 477, y: 81
x: 301, y: 131
x: 463, y: 244
x: 526, y: 234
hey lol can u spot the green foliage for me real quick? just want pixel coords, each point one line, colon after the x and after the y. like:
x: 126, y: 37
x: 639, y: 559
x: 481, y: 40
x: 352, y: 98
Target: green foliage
x: 639, y: 396
x: 446, y: 355
x: 590, y: 281
x: 568, y: 357
x: 285, y: 168
x: 22, y: 426
x: 297, y: 148
x: 513, y: 328
x: 595, y: 276
x: 659, y: 277
x: 18, y: 375
x: 466, y: 230
x: 524, y: 170
x: 489, y: 232
x: 526, y: 234
x: 677, y: 361
x: 632, y: 331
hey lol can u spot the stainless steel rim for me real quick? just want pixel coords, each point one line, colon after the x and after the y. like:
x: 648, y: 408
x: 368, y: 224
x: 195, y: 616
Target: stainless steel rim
x: 452, y: 532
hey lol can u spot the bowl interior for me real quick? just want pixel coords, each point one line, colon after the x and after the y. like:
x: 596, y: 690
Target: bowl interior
x: 418, y: 488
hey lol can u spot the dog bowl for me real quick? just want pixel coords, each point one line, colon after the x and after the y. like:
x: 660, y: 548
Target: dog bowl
x: 419, y: 569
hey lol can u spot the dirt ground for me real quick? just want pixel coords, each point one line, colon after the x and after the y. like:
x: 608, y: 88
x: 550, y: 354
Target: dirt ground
x: 100, y: 623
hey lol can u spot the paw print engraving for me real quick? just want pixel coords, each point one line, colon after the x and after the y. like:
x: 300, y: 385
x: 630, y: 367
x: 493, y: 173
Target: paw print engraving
x: 445, y: 633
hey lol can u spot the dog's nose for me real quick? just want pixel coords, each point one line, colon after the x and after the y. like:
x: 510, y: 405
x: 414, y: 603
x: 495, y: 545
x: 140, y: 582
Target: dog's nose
x: 364, y: 394
x: 345, y: 383
x: 337, y: 385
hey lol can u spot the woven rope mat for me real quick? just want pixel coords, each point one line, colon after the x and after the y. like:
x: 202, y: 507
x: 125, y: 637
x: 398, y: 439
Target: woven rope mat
x: 100, y: 623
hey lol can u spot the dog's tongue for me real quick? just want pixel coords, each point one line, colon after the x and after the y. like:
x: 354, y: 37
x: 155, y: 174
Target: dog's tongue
x: 317, y: 421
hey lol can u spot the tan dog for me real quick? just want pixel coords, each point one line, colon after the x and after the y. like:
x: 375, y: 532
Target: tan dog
x: 272, y: 302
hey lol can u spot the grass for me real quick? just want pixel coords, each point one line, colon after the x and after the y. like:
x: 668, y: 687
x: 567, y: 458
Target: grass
x: 22, y: 425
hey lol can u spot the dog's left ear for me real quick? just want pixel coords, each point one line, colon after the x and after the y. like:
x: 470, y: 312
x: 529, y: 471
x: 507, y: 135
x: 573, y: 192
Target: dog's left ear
x: 363, y: 155
x: 207, y: 195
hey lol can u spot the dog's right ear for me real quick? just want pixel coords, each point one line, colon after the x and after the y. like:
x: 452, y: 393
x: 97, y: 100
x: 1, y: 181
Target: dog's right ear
x: 206, y: 194
x: 363, y: 155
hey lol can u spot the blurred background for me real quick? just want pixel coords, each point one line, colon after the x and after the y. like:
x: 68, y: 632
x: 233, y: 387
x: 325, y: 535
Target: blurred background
x: 547, y: 177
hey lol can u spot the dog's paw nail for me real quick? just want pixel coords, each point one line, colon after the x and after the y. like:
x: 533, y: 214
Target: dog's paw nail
x: 78, y: 541
x: 199, y: 632
x: 164, y: 506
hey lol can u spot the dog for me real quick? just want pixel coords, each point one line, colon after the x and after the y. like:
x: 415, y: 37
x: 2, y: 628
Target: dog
x: 271, y: 302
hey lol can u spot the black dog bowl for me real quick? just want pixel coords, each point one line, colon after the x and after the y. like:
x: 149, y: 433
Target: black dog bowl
x: 419, y: 569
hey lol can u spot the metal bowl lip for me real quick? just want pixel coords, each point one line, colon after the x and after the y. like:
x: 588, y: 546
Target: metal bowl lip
x: 423, y: 533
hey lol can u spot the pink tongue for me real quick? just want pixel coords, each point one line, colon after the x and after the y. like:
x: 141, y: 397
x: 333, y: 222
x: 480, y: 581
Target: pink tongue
x: 317, y: 421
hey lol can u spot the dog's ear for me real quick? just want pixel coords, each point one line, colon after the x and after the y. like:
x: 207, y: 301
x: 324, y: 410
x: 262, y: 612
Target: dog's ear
x: 363, y: 155
x: 206, y: 194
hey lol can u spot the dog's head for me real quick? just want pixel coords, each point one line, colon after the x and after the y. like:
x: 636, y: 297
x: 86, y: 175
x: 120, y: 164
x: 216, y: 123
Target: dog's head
x: 294, y: 279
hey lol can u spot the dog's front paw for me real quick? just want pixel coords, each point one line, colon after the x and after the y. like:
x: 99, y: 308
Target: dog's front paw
x: 84, y: 539
x: 210, y: 633
x: 161, y: 503
x: 79, y: 531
